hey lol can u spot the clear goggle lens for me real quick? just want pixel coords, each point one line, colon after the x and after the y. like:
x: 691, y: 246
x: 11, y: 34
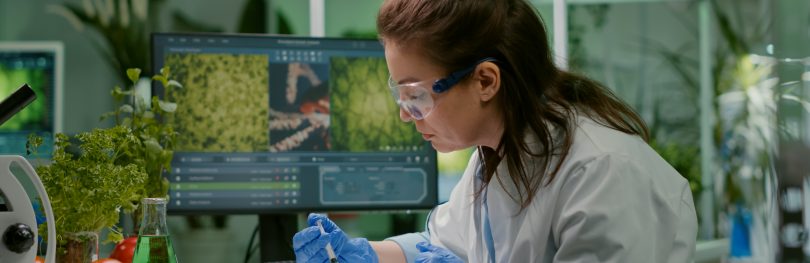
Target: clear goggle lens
x: 416, y: 98
x: 413, y: 98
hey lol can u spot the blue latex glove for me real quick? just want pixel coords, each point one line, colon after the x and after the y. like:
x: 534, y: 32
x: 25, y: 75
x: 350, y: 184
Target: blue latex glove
x: 433, y: 254
x: 310, y: 245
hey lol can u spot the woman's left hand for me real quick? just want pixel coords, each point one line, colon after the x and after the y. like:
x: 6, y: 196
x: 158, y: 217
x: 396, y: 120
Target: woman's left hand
x: 433, y: 254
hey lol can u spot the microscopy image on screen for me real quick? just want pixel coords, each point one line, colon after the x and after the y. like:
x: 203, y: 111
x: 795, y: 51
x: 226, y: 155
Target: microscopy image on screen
x: 364, y: 115
x: 223, y: 104
x: 299, y: 107
x: 33, y: 117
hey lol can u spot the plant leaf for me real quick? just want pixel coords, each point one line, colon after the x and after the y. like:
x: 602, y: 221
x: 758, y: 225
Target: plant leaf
x: 153, y: 146
x: 174, y: 83
x: 167, y: 106
x: 106, y: 115
x: 140, y: 104
x: 805, y: 104
x: 113, y: 236
x: 165, y: 72
x: 78, y: 14
x: 117, y: 93
x: 126, y: 108
x: 134, y: 74
x: 160, y: 78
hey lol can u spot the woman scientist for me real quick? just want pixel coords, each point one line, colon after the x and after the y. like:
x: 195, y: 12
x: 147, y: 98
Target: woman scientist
x: 562, y: 172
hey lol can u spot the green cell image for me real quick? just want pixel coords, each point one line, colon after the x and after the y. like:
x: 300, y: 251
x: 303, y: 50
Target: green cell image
x: 364, y: 115
x: 223, y: 104
x: 33, y: 117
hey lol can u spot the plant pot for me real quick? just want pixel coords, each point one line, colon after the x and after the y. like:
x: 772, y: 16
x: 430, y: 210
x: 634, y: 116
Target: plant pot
x: 80, y: 247
x: 748, y: 139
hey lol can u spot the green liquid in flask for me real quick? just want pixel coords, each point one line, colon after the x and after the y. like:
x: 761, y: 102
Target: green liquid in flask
x: 154, y: 249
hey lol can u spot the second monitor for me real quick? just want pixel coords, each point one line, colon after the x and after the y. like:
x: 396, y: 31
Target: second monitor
x: 282, y: 124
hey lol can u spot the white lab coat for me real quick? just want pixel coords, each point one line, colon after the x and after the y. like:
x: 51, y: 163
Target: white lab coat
x: 614, y: 200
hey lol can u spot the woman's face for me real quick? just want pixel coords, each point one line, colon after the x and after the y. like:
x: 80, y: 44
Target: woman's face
x: 451, y: 124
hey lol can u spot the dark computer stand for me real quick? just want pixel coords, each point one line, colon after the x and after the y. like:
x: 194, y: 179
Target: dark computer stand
x: 403, y: 223
x: 275, y: 236
x: 277, y: 230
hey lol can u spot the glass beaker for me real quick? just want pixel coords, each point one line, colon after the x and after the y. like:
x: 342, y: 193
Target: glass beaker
x: 154, y: 244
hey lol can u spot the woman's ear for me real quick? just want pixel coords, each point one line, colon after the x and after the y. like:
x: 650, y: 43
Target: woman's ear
x: 488, y: 77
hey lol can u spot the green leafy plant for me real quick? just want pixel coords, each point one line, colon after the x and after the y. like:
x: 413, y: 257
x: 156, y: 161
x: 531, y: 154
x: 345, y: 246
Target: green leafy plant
x: 747, y: 129
x: 110, y: 170
x: 88, y: 189
x: 124, y: 27
x: 155, y: 140
x: 746, y: 91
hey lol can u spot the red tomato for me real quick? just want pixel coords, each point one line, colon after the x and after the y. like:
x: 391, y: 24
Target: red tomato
x: 107, y: 260
x: 39, y: 259
x: 125, y: 249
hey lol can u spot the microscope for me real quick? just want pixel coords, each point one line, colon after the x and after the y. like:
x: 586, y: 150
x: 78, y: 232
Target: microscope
x: 18, y: 225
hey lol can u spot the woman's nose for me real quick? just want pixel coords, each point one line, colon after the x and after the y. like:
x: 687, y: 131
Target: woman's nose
x: 404, y: 115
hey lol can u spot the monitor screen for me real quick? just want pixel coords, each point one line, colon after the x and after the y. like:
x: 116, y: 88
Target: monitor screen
x: 283, y: 124
x: 40, y: 65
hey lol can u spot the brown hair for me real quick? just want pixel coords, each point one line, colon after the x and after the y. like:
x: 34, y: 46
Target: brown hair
x: 534, y: 93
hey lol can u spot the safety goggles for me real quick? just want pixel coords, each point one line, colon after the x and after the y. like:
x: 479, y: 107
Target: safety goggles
x: 416, y: 99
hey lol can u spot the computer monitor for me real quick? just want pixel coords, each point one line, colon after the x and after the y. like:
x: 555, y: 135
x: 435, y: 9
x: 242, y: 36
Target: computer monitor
x: 286, y: 124
x: 40, y: 65
x: 272, y: 124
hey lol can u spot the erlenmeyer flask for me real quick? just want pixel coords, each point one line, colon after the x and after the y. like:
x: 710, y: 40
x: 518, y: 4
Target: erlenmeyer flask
x: 154, y: 244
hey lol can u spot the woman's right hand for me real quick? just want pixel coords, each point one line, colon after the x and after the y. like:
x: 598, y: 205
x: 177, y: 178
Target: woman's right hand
x: 310, y: 245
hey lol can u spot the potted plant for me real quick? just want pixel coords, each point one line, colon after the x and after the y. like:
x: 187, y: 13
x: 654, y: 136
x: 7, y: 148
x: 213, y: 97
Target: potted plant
x: 111, y: 170
x: 747, y: 130
x: 88, y: 189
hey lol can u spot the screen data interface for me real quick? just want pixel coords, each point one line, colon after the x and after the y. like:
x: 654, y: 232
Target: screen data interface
x: 268, y: 124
